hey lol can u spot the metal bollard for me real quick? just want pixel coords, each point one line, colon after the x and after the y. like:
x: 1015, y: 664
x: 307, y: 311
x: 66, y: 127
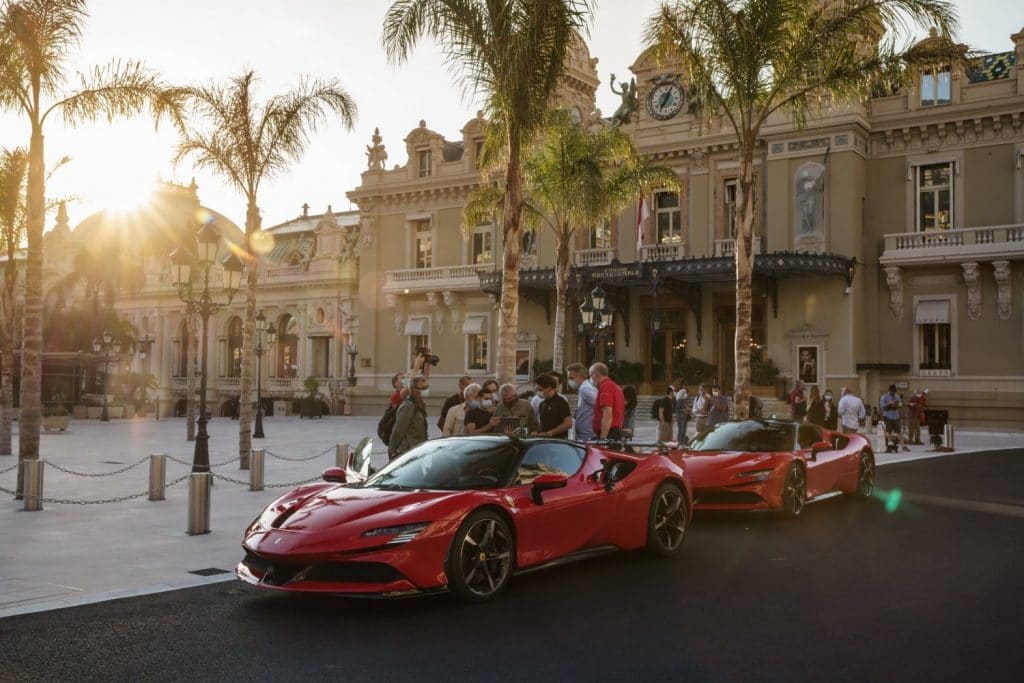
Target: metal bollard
x: 256, y: 470
x: 33, y: 488
x: 199, y: 503
x: 243, y: 460
x: 341, y: 454
x: 157, y: 475
x: 948, y: 436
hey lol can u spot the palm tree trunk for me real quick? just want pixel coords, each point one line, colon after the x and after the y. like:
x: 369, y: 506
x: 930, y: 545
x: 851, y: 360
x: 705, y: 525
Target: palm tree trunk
x: 245, y: 384
x: 561, y: 287
x: 32, y: 340
x: 508, y: 317
x: 744, y: 279
x: 6, y: 396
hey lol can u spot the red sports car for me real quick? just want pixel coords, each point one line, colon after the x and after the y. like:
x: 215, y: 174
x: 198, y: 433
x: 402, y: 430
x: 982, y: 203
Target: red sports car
x: 776, y: 464
x: 464, y: 514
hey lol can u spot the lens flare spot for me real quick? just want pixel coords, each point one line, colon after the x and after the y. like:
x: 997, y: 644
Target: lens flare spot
x: 893, y: 500
x: 262, y: 242
x: 203, y: 216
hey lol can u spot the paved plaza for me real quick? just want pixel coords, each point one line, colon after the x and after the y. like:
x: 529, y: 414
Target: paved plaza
x: 70, y: 554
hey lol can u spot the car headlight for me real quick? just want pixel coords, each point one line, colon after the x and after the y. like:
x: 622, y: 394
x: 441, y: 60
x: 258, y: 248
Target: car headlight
x: 755, y: 475
x: 402, y: 533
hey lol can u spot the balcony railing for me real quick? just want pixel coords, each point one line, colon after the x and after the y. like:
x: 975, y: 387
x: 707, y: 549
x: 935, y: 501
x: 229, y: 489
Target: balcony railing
x: 662, y: 252
x: 594, y: 257
x: 449, y: 277
x: 963, y: 243
x: 282, y: 385
x: 728, y: 247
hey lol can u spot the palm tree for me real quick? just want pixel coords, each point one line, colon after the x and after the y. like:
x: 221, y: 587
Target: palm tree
x: 247, y: 143
x: 13, y: 172
x: 573, y: 178
x: 512, y: 54
x: 36, y: 38
x: 747, y: 60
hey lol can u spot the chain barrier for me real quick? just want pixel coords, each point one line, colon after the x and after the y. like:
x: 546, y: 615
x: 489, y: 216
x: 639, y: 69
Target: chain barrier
x: 287, y: 484
x: 98, y: 474
x: 329, y: 449
x: 12, y: 467
x: 101, y: 501
x: 8, y: 491
x: 216, y: 464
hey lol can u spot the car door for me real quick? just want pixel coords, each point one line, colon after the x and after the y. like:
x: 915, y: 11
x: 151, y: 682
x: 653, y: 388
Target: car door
x: 567, y: 518
x: 823, y: 470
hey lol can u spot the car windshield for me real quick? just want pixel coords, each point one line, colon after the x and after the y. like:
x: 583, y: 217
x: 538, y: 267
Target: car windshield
x: 747, y: 435
x: 450, y: 464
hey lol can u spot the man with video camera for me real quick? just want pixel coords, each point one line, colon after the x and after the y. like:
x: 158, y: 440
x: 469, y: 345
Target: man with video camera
x: 891, y: 403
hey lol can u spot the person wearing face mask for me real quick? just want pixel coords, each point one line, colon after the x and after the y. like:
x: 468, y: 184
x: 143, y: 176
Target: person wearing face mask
x: 682, y: 410
x: 555, y: 418
x: 455, y: 420
x: 478, y: 415
x: 587, y: 391
x: 513, y: 406
x: 489, y: 399
x: 700, y: 409
x: 718, y: 407
x: 411, y: 419
x: 830, y: 415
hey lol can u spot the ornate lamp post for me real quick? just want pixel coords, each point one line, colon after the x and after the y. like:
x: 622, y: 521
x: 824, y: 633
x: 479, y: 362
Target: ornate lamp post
x: 105, y: 345
x: 261, y: 329
x: 596, y: 314
x: 201, y: 301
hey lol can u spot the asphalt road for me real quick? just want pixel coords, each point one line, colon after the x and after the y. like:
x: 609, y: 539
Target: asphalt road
x: 921, y: 585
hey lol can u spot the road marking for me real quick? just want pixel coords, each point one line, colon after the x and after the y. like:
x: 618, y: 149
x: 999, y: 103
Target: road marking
x: 1002, y: 509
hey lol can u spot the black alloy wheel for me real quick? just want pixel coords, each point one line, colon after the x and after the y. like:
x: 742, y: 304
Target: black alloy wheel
x: 865, y: 475
x: 481, y: 558
x: 794, y: 491
x: 666, y: 523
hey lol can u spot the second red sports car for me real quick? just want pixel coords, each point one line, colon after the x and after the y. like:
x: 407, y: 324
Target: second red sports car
x: 776, y: 464
x: 465, y: 514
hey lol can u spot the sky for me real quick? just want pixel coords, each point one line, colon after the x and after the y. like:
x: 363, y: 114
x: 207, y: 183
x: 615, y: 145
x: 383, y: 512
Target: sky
x: 196, y: 42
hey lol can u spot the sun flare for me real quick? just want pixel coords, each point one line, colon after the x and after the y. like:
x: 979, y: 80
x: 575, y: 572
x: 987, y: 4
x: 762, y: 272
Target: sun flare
x: 121, y: 190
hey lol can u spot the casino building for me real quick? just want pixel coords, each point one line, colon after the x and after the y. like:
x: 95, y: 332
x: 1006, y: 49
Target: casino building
x: 891, y: 250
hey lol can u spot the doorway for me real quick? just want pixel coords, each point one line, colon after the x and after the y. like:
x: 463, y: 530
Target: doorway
x: 666, y: 346
x: 725, y: 338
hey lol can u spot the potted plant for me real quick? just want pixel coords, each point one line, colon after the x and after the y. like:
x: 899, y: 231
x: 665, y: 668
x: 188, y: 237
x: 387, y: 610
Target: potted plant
x: 56, y: 418
x: 115, y: 408
x: 310, y: 405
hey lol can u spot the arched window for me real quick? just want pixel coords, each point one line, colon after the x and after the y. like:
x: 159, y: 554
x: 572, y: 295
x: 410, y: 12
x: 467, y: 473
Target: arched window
x: 234, y: 359
x: 287, y: 346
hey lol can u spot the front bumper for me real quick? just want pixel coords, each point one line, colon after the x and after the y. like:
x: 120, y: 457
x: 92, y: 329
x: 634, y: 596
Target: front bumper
x: 762, y: 495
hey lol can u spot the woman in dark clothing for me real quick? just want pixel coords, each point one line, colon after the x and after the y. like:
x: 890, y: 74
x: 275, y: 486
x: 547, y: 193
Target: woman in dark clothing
x: 815, y: 408
x: 830, y: 420
x: 629, y: 406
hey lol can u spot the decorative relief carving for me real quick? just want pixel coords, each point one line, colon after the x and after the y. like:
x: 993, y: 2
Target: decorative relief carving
x: 452, y: 303
x: 894, y: 279
x: 809, y: 199
x: 366, y: 230
x: 1003, y: 293
x: 700, y: 159
x: 395, y: 303
x: 972, y: 276
x: 435, y: 302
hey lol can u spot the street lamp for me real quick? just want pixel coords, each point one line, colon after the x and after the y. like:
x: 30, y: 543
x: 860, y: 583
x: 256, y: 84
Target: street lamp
x: 261, y: 329
x: 105, y: 345
x: 353, y: 351
x: 186, y: 282
x: 596, y: 314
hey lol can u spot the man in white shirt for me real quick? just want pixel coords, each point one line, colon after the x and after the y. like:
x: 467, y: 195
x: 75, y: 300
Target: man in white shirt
x: 851, y: 411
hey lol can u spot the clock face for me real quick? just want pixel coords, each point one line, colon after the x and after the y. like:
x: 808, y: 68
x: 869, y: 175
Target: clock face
x: 665, y: 100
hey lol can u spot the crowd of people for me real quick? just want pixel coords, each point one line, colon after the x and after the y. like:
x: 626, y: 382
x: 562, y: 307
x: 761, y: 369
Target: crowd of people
x: 606, y: 411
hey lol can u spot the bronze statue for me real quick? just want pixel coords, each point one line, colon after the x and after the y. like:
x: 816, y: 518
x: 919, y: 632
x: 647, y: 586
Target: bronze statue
x: 629, y: 101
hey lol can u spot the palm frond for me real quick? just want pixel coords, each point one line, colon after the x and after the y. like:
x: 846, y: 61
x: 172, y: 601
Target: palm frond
x: 115, y: 90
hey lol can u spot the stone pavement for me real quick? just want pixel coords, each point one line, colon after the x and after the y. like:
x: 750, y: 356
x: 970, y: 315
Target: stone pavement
x: 71, y: 554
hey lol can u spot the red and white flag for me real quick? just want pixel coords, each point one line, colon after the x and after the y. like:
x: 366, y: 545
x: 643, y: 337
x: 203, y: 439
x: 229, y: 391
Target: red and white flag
x: 642, y: 212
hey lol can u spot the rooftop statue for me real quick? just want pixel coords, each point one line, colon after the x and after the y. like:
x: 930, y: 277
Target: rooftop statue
x: 629, y: 102
x: 376, y: 155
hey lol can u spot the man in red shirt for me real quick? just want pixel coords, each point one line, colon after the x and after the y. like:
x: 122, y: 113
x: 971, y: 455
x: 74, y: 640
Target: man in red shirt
x: 609, y: 409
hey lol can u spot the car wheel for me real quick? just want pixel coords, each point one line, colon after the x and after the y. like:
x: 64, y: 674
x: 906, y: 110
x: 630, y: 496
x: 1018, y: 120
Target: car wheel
x: 481, y: 557
x: 794, y: 491
x: 865, y: 476
x: 666, y: 522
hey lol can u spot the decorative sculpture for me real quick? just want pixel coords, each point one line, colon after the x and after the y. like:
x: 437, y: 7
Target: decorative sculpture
x: 376, y: 155
x: 1003, y: 299
x: 894, y: 278
x: 972, y: 277
x: 630, y: 102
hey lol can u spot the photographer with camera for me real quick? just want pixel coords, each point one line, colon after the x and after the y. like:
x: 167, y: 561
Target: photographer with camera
x: 891, y: 405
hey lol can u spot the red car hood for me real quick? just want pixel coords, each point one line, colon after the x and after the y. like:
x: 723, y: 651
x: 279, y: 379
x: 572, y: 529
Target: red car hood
x: 717, y: 468
x: 330, y: 519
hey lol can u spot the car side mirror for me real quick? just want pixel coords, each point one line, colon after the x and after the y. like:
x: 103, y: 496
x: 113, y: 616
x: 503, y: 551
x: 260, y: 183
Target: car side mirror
x: 335, y: 474
x: 820, y: 447
x: 546, y: 482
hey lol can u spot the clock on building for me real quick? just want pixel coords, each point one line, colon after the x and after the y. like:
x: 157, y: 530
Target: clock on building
x: 665, y: 100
